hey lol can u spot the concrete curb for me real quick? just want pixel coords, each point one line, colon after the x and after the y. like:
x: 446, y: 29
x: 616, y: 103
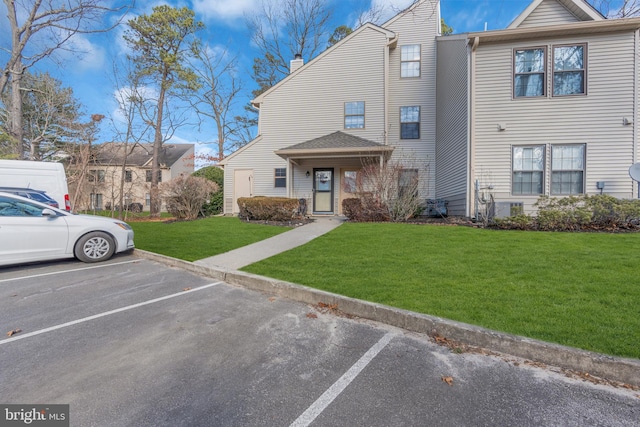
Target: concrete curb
x: 612, y: 368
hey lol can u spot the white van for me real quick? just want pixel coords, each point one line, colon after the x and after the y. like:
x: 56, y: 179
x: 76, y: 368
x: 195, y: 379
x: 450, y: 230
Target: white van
x: 46, y: 176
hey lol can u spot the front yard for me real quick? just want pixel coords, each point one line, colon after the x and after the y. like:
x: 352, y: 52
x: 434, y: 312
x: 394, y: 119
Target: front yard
x: 193, y: 240
x: 575, y: 289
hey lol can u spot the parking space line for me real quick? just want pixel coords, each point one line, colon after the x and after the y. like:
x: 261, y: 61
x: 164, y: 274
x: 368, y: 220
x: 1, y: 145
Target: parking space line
x: 68, y: 271
x: 338, y: 387
x: 106, y: 313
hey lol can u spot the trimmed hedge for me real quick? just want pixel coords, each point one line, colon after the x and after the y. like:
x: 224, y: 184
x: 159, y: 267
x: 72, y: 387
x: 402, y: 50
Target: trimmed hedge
x: 262, y: 208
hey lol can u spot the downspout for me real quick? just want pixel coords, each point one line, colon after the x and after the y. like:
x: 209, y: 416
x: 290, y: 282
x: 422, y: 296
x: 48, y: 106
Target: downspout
x: 635, y: 107
x: 386, y: 88
x: 471, y: 124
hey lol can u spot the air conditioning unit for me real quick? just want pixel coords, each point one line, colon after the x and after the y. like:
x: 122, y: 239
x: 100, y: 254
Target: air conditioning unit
x: 506, y: 209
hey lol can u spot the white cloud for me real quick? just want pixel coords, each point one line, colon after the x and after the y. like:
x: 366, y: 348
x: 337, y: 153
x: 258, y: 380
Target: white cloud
x: 224, y: 9
x: 90, y: 56
x: 123, y: 100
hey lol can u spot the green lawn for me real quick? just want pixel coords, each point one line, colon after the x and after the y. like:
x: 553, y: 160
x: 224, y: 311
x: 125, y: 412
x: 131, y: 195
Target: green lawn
x: 575, y: 289
x: 192, y: 240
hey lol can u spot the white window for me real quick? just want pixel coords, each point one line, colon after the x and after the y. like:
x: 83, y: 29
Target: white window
x: 148, y: 175
x: 410, y: 122
x: 567, y: 169
x: 96, y: 201
x: 410, y: 60
x: 354, y: 115
x: 528, y: 170
x: 569, y: 69
x: 408, y: 183
x: 529, y: 72
x: 280, y: 177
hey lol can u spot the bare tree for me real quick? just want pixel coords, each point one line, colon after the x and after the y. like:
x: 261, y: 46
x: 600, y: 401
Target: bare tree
x: 79, y: 159
x: 373, y: 12
x: 129, y: 130
x: 219, y: 90
x: 617, y: 9
x: 282, y: 29
x: 388, y: 191
x: 38, y: 29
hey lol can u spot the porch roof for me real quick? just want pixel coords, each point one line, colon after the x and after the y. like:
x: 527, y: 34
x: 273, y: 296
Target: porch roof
x: 336, y: 144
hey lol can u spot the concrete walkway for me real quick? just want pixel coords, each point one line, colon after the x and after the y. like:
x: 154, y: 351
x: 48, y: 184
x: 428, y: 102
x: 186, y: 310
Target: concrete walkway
x: 238, y: 258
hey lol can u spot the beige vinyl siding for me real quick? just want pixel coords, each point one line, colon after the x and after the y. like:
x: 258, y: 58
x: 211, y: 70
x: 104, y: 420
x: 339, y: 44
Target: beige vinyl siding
x: 549, y: 12
x: 452, y: 123
x: 310, y: 104
x: 594, y: 119
x: 415, y: 91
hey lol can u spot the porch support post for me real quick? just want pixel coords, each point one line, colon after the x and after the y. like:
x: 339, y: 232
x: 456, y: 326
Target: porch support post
x: 289, y: 180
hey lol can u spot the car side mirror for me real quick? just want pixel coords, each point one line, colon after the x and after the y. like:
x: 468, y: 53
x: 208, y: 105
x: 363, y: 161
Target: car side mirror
x: 48, y: 212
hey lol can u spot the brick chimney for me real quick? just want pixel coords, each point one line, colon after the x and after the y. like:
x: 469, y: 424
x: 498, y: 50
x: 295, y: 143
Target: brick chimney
x: 296, y: 63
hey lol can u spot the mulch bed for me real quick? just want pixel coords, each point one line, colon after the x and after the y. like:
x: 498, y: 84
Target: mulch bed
x: 292, y: 223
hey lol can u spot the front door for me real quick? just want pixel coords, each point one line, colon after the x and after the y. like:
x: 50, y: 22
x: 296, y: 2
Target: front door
x: 322, y: 191
x: 242, y: 186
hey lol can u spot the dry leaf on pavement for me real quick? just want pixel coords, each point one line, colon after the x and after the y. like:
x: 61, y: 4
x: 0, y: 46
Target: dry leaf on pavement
x: 448, y: 380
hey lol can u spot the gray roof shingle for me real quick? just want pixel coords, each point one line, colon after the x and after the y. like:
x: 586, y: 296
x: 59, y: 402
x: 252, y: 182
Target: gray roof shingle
x: 336, y: 139
x: 111, y: 153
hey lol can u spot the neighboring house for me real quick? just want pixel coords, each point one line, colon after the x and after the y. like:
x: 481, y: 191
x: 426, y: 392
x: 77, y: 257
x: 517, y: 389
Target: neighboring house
x: 104, y: 176
x: 548, y: 106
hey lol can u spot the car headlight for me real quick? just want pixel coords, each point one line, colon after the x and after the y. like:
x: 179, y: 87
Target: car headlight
x: 123, y: 225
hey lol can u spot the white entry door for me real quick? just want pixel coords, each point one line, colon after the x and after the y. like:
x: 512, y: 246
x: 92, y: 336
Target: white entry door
x: 242, y: 186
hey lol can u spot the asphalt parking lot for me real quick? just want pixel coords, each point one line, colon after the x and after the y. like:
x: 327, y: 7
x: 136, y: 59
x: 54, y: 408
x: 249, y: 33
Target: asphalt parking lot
x: 132, y: 342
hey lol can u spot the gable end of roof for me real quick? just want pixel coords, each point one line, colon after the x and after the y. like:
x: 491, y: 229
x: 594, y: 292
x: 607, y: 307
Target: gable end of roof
x: 582, y: 10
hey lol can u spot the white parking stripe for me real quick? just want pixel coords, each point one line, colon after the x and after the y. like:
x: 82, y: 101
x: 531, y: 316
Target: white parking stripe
x: 69, y: 271
x: 106, y: 313
x: 332, y: 392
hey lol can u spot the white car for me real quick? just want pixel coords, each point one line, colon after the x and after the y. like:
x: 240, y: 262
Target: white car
x: 32, y: 231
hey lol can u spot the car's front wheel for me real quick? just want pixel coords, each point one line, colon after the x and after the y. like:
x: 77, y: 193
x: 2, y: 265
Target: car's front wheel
x: 95, y: 246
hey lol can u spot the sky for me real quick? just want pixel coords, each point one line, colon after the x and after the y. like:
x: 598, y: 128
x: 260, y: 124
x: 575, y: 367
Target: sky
x: 90, y: 74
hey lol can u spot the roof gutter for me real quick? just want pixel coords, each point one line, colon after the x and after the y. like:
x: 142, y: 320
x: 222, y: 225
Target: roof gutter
x: 322, y: 151
x: 592, y: 27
